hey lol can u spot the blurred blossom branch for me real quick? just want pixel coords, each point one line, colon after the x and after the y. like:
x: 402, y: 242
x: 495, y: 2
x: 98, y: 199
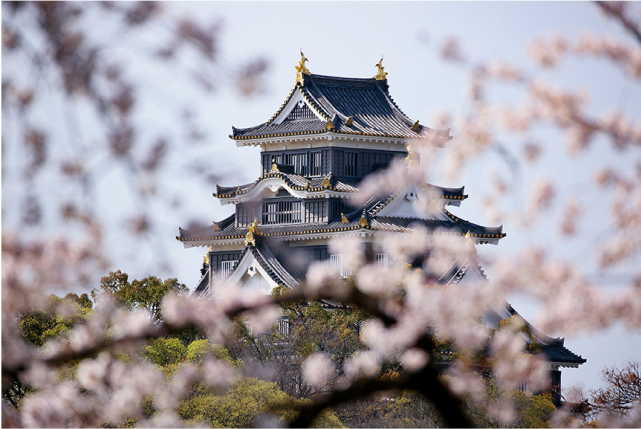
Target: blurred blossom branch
x: 98, y: 368
x: 617, y: 11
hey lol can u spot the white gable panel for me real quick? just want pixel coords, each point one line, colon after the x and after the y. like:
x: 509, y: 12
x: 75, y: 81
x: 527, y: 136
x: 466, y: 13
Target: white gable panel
x: 256, y: 280
x: 407, y: 204
x: 473, y: 276
x: 249, y: 274
x: 297, y: 97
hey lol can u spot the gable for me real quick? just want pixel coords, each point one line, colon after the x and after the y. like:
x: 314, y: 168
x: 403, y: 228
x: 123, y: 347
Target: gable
x: 301, y: 111
x: 297, y: 108
x: 410, y: 203
x: 250, y: 275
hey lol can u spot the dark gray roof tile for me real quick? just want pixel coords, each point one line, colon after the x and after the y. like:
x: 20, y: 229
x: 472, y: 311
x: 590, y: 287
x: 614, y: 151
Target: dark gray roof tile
x: 367, y: 101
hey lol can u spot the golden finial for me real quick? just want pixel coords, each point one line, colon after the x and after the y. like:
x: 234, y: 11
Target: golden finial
x: 216, y: 227
x: 254, y: 226
x: 380, y: 75
x: 416, y: 127
x: 301, y: 69
x: 206, y: 258
x: 363, y: 222
x: 343, y: 218
x: 329, y: 125
x: 326, y: 182
x: 274, y: 168
x: 249, y: 239
x: 410, y: 153
x: 349, y: 121
x: 253, y: 229
x: 411, y: 156
x: 470, y: 240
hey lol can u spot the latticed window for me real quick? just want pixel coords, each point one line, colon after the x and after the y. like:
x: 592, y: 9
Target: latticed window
x: 226, y: 267
x: 351, y: 161
x: 276, y: 159
x: 337, y: 208
x: 284, y: 326
x: 336, y: 261
x: 382, y: 260
x: 315, y: 161
x: 315, y: 211
x: 301, y: 111
x: 298, y: 160
x: 245, y: 214
x: 282, y: 212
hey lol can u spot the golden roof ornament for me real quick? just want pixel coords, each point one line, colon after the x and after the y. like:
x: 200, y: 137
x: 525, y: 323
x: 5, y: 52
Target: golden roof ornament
x: 411, y: 157
x: 253, y: 229
x: 326, y: 182
x: 206, y: 258
x: 410, y: 153
x: 344, y: 219
x: 380, y: 75
x: 329, y: 126
x: 349, y: 121
x: 216, y: 228
x: 301, y: 69
x: 470, y: 240
x: 363, y: 222
x: 416, y: 126
x: 274, y: 168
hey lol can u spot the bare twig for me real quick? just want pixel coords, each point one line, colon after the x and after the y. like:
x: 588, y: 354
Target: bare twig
x: 617, y: 13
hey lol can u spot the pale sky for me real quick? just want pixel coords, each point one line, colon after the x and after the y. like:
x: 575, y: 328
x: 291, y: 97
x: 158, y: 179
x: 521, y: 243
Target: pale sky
x: 347, y: 39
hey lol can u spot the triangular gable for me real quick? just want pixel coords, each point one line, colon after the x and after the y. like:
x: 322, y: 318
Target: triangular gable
x: 301, y: 111
x: 249, y: 274
x: 406, y: 204
x: 296, y: 103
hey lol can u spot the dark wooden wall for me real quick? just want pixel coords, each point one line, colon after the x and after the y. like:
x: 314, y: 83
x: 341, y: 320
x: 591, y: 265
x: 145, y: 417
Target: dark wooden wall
x: 216, y: 258
x: 333, y: 160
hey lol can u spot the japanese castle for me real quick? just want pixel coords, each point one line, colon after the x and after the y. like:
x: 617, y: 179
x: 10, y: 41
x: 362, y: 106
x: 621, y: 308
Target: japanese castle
x: 328, y: 135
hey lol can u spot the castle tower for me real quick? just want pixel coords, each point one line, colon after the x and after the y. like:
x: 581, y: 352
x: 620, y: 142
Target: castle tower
x: 316, y: 149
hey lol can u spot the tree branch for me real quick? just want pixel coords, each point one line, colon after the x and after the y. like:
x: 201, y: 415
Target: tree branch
x: 617, y: 14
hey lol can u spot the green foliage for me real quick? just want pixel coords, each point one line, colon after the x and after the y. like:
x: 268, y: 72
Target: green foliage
x: 537, y: 410
x: 199, y: 349
x: 140, y: 294
x: 530, y: 410
x: 312, y: 329
x: 411, y: 409
x: 335, y: 332
x: 244, y: 402
x: 42, y: 325
x: 165, y: 351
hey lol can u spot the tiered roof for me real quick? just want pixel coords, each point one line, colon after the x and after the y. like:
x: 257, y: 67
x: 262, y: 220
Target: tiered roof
x: 552, y: 348
x: 362, y: 218
x: 340, y: 105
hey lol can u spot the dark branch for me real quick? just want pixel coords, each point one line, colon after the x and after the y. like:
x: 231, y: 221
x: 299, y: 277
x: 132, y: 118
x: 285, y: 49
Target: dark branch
x: 425, y: 382
x: 617, y: 13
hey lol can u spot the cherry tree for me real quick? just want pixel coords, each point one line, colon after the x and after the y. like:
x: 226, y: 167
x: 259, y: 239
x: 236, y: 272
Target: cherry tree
x: 408, y: 316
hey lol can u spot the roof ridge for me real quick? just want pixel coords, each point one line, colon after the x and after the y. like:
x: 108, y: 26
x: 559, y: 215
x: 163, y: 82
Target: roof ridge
x: 329, y: 114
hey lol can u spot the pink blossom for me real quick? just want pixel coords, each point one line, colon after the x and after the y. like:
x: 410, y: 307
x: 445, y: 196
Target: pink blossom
x: 318, y: 369
x: 502, y: 410
x: 414, y: 359
x: 262, y: 318
x: 217, y: 373
x: 321, y: 278
x: 366, y: 362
